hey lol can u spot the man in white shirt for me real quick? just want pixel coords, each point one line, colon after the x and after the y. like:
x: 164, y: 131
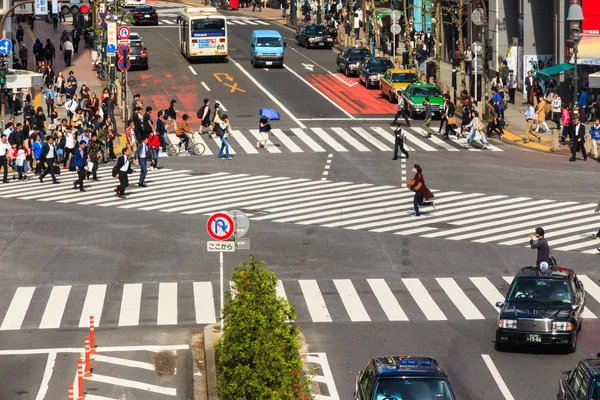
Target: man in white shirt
x: 8, y: 131
x: 4, y: 149
x: 556, y: 109
x: 67, y: 51
x: 512, y: 86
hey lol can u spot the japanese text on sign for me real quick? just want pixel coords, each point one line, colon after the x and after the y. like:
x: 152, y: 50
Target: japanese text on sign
x: 220, y: 246
x: 41, y: 7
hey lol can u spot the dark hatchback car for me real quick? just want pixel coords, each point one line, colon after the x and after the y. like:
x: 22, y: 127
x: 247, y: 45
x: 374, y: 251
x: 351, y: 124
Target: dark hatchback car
x: 138, y: 57
x: 543, y: 307
x: 403, y: 377
x: 144, y: 16
x: 581, y: 383
x: 349, y: 59
x: 314, y: 35
x: 371, y: 69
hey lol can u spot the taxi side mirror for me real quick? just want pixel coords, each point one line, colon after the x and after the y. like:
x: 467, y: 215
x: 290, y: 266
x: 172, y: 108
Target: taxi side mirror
x: 284, y: 44
x: 499, y: 304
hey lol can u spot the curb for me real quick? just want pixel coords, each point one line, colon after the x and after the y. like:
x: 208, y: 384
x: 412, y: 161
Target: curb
x: 315, y: 389
x: 211, y: 335
x: 198, y: 365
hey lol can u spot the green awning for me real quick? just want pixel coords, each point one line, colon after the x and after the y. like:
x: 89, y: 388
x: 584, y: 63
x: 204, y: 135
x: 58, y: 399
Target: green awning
x: 382, y: 12
x: 547, y: 73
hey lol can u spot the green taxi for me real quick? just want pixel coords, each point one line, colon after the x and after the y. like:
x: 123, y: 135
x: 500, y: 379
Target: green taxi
x: 416, y: 93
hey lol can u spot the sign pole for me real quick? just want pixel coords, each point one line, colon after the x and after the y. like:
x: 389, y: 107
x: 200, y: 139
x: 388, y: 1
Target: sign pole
x: 222, y: 294
x: 474, y: 72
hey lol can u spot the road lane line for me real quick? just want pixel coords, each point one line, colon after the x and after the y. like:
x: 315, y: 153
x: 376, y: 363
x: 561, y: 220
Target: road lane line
x: 167, y: 304
x: 193, y: 71
x: 108, y: 349
x: 592, y: 288
x: 424, y: 299
x: 416, y: 139
x: 314, y: 146
x: 442, y: 143
x: 488, y: 290
x: 130, y: 305
x: 269, y: 94
x: 314, y: 301
x: 459, y: 298
x: 354, y: 306
x: 93, y: 305
x: 205, y: 86
x: 41, y: 395
x: 55, y: 307
x: 18, y: 309
x: 280, y: 290
x: 133, y: 384
x: 497, y: 377
x: 336, y: 105
x: 387, y: 300
x: 124, y: 361
x: 204, y: 303
x: 328, y: 139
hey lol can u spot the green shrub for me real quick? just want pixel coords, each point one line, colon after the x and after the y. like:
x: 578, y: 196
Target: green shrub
x: 257, y: 356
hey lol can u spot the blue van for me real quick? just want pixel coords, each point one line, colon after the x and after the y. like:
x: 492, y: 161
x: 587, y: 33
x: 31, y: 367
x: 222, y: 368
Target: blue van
x: 266, y: 49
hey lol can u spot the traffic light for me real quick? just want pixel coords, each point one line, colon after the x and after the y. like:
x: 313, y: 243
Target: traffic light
x: 3, y: 71
x: 488, y: 50
x: 76, y: 7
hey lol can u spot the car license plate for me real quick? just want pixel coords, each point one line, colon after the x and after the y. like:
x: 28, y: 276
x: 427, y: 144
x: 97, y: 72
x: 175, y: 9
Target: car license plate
x: 146, y: 15
x: 269, y: 63
x: 321, y: 44
x: 532, y: 338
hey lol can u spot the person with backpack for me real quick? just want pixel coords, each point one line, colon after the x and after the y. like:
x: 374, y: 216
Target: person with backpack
x: 38, y: 52
x: 402, y: 109
x: 172, y: 113
x: 49, y: 53
x: 204, y: 117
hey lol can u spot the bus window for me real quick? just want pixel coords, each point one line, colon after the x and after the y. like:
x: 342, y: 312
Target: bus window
x: 209, y: 25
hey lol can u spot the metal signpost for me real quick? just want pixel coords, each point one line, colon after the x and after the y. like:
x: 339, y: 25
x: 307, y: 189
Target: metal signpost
x: 5, y: 50
x: 395, y: 29
x: 221, y: 227
x: 477, y: 67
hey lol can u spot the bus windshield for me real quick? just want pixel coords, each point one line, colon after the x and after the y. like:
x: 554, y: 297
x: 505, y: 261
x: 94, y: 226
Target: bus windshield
x: 209, y: 26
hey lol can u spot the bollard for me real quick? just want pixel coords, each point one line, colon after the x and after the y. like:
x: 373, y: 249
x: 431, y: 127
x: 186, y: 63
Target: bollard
x: 88, y: 373
x: 80, y: 378
x: 92, y: 336
x: 71, y: 393
x: 554, y: 140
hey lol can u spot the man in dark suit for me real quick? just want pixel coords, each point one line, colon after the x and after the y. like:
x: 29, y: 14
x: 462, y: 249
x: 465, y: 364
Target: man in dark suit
x: 579, y: 140
x: 142, y: 154
x: 78, y: 164
x: 529, y: 81
x: 48, y: 157
x: 121, y: 171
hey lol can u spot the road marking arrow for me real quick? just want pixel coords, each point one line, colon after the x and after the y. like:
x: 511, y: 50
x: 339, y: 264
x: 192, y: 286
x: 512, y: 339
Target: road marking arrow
x: 225, y: 75
x: 308, y: 66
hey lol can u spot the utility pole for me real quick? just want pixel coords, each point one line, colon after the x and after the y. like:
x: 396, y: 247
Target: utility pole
x: 3, y: 72
x: 407, y: 35
x: 438, y: 42
x: 463, y: 83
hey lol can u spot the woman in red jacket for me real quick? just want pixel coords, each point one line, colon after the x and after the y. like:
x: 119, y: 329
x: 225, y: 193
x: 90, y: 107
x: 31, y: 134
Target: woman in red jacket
x: 154, y: 144
x: 417, y: 185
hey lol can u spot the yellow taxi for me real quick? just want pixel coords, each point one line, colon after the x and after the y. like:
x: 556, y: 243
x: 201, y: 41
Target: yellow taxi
x: 396, y: 79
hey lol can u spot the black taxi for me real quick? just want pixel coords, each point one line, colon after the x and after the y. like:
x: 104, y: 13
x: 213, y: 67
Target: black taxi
x: 581, y: 383
x: 403, y: 377
x: 543, y: 306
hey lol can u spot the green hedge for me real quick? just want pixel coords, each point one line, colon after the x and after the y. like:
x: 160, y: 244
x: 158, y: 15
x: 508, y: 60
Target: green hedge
x: 257, y: 357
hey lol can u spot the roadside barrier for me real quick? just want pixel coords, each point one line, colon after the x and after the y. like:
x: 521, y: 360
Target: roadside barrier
x: 92, y: 336
x: 90, y: 348
x: 88, y: 372
x: 71, y: 393
x: 80, y: 378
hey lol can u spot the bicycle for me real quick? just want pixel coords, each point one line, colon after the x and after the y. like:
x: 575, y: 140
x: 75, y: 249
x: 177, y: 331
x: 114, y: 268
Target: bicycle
x: 193, y: 147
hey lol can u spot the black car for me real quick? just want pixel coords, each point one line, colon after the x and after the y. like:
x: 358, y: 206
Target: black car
x: 350, y: 58
x: 403, y: 377
x: 543, y: 307
x: 581, y: 383
x: 145, y: 15
x: 138, y: 57
x: 371, y: 69
x: 314, y: 35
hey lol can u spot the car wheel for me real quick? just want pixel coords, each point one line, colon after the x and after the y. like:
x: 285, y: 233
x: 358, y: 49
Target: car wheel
x: 572, y: 348
x: 500, y: 347
x: 347, y: 72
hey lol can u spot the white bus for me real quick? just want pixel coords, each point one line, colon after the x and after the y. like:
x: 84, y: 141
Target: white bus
x: 202, y: 33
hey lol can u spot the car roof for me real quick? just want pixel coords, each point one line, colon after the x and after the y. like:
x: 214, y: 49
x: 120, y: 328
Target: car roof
x: 424, y: 85
x: 550, y: 273
x: 397, y: 366
x: 267, y: 33
x: 592, y: 365
x: 402, y: 70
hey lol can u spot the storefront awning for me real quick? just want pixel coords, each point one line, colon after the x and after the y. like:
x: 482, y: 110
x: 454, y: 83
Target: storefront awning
x: 588, y: 51
x: 547, y: 73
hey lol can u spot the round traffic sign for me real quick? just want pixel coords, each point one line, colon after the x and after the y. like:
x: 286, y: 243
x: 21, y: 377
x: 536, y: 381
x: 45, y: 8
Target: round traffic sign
x: 124, y: 64
x: 103, y: 25
x: 395, y: 15
x: 220, y: 226
x: 242, y: 223
x: 477, y: 48
x: 478, y: 16
x: 395, y: 29
x: 5, y: 47
x: 110, y: 48
x: 124, y: 50
x: 124, y: 32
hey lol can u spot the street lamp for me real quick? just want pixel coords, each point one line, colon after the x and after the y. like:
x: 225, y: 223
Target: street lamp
x: 575, y: 16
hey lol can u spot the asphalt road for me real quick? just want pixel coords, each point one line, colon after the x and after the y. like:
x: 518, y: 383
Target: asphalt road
x: 149, y: 259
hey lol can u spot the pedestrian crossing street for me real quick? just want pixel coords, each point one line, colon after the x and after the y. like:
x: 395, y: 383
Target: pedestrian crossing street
x: 323, y: 301
x: 473, y: 217
x: 167, y: 15
x: 334, y: 139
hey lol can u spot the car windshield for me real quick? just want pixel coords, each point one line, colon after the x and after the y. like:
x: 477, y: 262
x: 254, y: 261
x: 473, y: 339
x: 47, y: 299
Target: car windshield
x: 379, y: 66
x: 595, y: 390
x: 268, y: 42
x: 147, y: 10
x: 208, y: 24
x: 426, y: 92
x: 316, y: 30
x: 358, y: 54
x: 404, y: 77
x: 541, y: 290
x: 412, y: 388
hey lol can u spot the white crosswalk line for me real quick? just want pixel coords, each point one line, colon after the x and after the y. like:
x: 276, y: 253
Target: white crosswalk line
x: 130, y: 304
x: 219, y: 142
x: 442, y: 143
x: 593, y: 290
x: 251, y: 22
x: 55, y: 307
x: 371, y: 139
x: 204, y: 303
x: 281, y: 290
x: 166, y: 21
x: 589, y: 243
x: 314, y: 146
x: 286, y: 141
x: 459, y: 298
x: 350, y: 140
x: 244, y: 142
x: 488, y: 290
x: 418, y: 140
x: 387, y: 300
x: 585, y: 232
x: 18, y: 309
x: 93, y: 305
x: 198, y: 138
x: 324, y: 136
x: 354, y: 306
x: 271, y: 148
x: 262, y: 22
x: 423, y: 299
x: 167, y: 304
x: 314, y: 301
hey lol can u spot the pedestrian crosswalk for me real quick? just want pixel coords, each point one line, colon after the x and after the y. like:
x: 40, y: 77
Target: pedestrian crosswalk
x: 474, y: 217
x: 333, y: 139
x: 318, y: 301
